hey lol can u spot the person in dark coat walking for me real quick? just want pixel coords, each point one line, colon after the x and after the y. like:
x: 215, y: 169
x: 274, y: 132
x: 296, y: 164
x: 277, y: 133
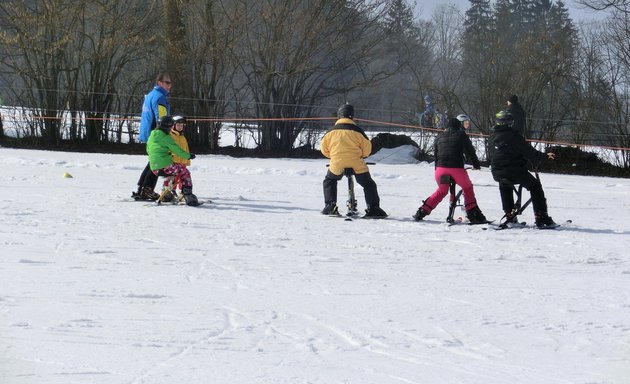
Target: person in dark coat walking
x: 510, y: 155
x: 518, y: 114
x: 449, y: 150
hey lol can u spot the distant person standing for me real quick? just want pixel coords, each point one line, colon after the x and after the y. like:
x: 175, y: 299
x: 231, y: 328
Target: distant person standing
x: 518, y: 114
x: 155, y: 106
x: 1, y: 126
x: 426, y: 116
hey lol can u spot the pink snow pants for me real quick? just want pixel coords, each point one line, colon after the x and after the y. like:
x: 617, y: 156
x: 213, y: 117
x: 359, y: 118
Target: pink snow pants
x: 461, y: 178
x: 180, y: 171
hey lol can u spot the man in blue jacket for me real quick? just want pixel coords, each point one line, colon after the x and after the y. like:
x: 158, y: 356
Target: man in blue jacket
x: 155, y: 106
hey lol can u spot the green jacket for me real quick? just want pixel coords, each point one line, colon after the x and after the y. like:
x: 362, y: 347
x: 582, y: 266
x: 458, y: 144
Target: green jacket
x: 159, y: 148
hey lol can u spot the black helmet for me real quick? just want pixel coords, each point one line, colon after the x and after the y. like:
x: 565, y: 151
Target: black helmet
x: 346, y: 110
x: 166, y: 123
x: 504, y: 118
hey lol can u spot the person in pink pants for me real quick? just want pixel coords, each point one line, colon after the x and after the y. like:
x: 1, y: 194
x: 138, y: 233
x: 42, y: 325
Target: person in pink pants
x: 449, y: 150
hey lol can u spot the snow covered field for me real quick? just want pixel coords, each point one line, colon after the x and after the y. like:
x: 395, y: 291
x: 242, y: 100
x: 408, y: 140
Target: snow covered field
x: 258, y: 287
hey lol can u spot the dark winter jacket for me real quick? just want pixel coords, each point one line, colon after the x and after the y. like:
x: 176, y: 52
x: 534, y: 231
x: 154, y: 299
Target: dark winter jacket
x: 451, y: 146
x: 510, y: 153
x: 518, y: 113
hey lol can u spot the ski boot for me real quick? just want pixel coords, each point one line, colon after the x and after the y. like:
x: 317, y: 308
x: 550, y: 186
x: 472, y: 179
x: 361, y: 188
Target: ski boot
x: 544, y: 221
x: 189, y: 197
x: 420, y: 214
x: 331, y: 209
x: 146, y: 194
x: 475, y: 216
x: 374, y: 212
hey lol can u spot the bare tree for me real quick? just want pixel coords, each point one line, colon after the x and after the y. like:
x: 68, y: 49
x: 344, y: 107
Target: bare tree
x: 212, y: 66
x: 295, y: 53
x: 75, y: 61
x: 35, y: 38
x: 448, y: 54
x: 601, y: 5
x: 617, y: 56
x: 105, y: 54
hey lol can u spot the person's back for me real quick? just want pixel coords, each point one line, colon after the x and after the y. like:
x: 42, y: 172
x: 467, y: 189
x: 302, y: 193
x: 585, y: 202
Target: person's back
x: 346, y: 145
x: 510, y: 154
x: 160, y: 146
x: 451, y: 146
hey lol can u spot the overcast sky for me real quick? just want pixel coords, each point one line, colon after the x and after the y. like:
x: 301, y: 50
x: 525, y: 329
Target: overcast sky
x: 429, y: 6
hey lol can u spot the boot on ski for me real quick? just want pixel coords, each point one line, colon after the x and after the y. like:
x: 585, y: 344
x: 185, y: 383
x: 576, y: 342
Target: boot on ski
x: 475, y: 216
x: 375, y: 212
x: 330, y: 209
x: 544, y: 221
x: 420, y: 214
x: 189, y: 197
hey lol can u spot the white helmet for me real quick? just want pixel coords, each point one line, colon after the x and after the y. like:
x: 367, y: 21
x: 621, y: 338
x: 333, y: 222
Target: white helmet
x: 463, y: 118
x: 179, y: 119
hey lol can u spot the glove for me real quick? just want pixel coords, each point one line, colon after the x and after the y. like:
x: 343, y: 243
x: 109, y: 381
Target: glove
x: 192, y: 156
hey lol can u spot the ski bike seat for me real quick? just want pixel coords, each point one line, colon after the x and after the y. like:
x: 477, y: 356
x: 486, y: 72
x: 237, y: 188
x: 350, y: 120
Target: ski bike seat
x: 168, y: 193
x: 454, y: 198
x: 351, y: 203
x: 519, y: 206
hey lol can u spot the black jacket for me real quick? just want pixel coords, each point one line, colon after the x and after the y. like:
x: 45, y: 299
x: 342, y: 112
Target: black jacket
x: 510, y: 153
x: 450, y: 147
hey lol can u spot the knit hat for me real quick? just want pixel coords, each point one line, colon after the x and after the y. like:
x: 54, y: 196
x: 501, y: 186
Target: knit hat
x: 512, y: 99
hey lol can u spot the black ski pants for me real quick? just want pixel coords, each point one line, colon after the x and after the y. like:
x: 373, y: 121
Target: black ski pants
x: 147, y: 179
x: 529, y: 182
x: 364, y: 179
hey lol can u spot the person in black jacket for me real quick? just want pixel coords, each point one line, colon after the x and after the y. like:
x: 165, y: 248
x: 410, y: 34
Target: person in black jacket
x: 509, y: 158
x: 518, y: 114
x: 449, y: 149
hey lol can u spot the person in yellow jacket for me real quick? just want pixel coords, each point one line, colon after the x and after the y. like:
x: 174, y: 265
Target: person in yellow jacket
x: 346, y: 145
x: 177, y: 133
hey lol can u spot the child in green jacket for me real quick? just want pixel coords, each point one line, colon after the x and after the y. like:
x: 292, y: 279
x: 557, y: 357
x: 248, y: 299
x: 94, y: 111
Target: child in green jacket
x: 160, y: 148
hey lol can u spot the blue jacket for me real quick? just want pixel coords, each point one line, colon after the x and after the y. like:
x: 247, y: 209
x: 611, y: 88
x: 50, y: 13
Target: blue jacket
x: 155, y: 106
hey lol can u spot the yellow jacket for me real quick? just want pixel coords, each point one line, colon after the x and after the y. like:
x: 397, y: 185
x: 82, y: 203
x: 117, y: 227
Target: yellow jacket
x: 181, y: 141
x: 346, y: 145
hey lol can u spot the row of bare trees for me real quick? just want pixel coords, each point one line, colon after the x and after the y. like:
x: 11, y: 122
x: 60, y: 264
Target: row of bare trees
x: 76, y: 64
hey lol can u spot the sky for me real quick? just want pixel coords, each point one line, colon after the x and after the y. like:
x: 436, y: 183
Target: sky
x: 257, y: 287
x: 578, y: 13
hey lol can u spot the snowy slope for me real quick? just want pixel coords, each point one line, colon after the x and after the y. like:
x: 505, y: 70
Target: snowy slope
x: 260, y: 288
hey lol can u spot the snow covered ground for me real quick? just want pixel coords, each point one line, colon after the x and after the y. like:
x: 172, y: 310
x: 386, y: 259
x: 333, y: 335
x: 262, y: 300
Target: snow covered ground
x: 258, y: 287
